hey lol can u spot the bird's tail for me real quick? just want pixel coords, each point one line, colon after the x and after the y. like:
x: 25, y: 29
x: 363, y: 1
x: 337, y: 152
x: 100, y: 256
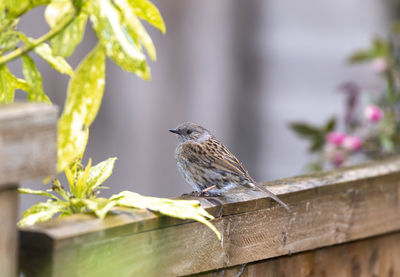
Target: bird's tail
x: 270, y: 194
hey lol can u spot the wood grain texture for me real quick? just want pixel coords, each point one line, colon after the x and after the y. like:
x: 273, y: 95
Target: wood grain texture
x: 8, y: 230
x: 326, y: 209
x: 27, y: 142
x: 375, y: 256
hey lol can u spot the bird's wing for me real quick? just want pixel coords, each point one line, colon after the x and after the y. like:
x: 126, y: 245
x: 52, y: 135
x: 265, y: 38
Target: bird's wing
x: 212, y: 154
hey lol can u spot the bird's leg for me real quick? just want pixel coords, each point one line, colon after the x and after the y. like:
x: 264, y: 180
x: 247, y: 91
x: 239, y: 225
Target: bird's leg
x: 208, y: 189
x: 202, y: 192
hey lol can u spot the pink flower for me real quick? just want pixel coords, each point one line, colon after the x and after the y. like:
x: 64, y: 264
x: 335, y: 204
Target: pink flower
x: 379, y: 65
x: 352, y: 143
x: 336, y: 138
x: 373, y: 113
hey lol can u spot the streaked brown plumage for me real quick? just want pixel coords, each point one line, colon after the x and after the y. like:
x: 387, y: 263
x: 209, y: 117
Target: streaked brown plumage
x: 207, y: 165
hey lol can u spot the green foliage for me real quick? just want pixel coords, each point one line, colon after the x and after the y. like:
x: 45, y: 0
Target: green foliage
x: 84, y: 185
x: 121, y: 37
x: 315, y: 134
x: 379, y: 48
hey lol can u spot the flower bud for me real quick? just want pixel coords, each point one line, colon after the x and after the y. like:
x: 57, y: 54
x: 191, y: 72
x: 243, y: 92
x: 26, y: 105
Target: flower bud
x: 335, y: 138
x: 373, y: 113
x: 352, y: 143
x: 379, y: 65
x: 338, y: 159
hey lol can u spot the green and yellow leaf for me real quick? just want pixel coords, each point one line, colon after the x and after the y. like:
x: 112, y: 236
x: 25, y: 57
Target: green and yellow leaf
x: 7, y: 85
x: 36, y: 192
x: 66, y: 41
x: 135, y: 27
x: 56, y: 10
x: 18, y: 7
x: 41, y: 212
x: 57, y: 62
x: 85, y: 92
x: 34, y: 81
x: 149, y: 12
x: 99, y: 174
x: 183, y: 209
x: 115, y: 38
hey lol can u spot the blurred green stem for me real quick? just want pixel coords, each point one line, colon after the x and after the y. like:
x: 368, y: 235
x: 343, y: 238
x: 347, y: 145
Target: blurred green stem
x: 28, y: 47
x: 391, y: 87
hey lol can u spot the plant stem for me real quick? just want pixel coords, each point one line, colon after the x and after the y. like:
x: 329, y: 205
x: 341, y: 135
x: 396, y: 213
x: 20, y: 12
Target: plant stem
x: 28, y: 47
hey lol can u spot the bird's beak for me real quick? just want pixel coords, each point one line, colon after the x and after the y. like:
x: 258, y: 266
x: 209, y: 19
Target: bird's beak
x: 175, y: 131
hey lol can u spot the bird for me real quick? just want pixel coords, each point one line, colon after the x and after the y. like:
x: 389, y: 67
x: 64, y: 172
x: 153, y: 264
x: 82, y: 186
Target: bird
x: 208, y: 166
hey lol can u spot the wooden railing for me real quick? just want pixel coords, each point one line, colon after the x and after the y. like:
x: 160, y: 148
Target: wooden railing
x: 27, y: 151
x: 341, y: 223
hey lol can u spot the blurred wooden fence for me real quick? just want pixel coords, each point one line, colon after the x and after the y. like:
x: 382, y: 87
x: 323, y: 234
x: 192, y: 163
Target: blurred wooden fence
x: 27, y: 151
x: 341, y: 223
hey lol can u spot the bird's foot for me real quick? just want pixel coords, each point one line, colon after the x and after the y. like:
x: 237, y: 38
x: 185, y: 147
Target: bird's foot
x: 196, y: 194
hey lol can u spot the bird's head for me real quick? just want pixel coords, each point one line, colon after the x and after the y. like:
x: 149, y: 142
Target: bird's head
x: 191, y: 132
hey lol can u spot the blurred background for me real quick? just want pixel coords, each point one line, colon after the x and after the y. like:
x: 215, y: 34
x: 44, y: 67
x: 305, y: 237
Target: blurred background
x: 242, y: 69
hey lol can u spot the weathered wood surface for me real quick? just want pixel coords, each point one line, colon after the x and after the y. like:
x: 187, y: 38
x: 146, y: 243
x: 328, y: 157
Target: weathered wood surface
x: 27, y: 142
x: 376, y: 256
x: 8, y: 231
x: 326, y: 209
x: 27, y: 152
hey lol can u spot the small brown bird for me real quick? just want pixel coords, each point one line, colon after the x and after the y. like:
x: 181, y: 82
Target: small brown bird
x: 208, y: 166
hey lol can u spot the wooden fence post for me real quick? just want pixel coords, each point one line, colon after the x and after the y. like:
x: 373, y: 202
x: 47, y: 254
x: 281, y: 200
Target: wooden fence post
x: 27, y: 152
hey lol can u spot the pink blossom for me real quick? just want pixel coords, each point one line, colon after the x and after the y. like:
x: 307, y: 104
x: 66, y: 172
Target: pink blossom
x: 336, y: 138
x: 352, y: 143
x: 379, y: 65
x: 338, y: 158
x: 373, y: 113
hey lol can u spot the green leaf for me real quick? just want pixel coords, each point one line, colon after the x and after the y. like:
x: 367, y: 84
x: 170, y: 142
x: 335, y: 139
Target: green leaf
x: 317, y: 143
x: 330, y: 125
x: 57, y: 187
x: 100, y: 206
x: 183, y: 209
x: 386, y: 143
x: 379, y: 49
x: 18, y: 7
x: 135, y: 27
x: 41, y: 212
x: 34, y: 80
x: 305, y: 130
x: 85, y: 92
x: 147, y: 11
x: 99, y: 174
x: 57, y: 62
x: 361, y: 56
x: 114, y: 37
x: 7, y: 85
x: 66, y: 41
x: 82, y: 181
x: 56, y: 10
x: 315, y: 167
x: 36, y: 192
x: 9, y: 37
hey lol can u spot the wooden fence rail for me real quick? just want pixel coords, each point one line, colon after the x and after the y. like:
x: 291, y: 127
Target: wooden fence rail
x: 332, y: 215
x: 27, y: 151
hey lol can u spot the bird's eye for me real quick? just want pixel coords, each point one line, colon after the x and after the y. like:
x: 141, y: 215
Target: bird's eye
x: 189, y: 132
